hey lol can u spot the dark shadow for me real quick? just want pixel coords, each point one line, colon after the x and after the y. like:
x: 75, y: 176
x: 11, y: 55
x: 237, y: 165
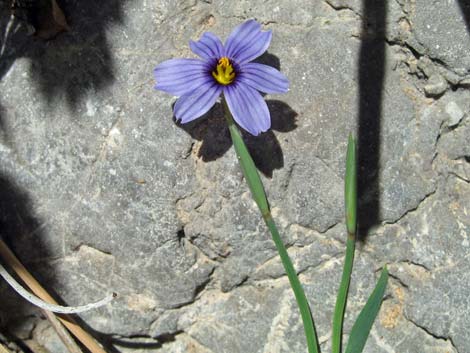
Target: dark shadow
x: 19, y: 227
x: 130, y: 344
x: 74, y: 63
x: 21, y: 230
x: 269, y: 59
x: 212, y: 131
x: 265, y: 149
x: 79, y: 61
x: 114, y: 344
x: 465, y: 9
x: 371, y: 81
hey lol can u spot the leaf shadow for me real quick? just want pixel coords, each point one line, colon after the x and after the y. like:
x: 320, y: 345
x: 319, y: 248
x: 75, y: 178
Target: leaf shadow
x: 371, y: 82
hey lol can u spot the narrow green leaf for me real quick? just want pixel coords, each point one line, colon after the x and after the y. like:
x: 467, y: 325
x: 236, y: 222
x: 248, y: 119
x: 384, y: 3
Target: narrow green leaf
x: 350, y: 186
x: 350, y: 195
x: 340, y: 306
x: 362, y: 326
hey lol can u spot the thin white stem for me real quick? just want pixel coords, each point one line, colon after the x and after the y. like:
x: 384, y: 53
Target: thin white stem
x: 59, y: 309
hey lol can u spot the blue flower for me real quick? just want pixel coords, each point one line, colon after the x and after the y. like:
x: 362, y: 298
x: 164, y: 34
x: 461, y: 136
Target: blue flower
x: 224, y: 69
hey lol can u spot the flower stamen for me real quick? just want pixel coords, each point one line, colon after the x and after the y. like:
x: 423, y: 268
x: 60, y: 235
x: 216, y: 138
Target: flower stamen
x: 224, y: 72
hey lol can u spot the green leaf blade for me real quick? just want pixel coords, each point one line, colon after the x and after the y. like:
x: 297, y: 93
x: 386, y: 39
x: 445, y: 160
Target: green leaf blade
x: 342, y: 296
x: 350, y: 186
x: 350, y: 196
x: 361, y: 328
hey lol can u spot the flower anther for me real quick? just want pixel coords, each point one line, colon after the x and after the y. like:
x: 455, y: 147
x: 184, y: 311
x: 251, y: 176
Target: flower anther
x: 224, y: 72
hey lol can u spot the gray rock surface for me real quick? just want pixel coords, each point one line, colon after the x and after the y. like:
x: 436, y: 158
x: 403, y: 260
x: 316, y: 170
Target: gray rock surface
x: 102, y: 191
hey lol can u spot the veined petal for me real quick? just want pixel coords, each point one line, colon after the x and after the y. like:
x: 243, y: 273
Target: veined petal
x: 264, y: 78
x: 198, y: 102
x: 247, y: 42
x: 258, y: 45
x: 181, y: 76
x: 239, y: 33
x: 248, y: 108
x: 208, y: 47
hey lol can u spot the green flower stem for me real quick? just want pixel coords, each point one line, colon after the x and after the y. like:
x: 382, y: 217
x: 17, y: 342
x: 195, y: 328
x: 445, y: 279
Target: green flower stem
x: 350, y: 186
x: 350, y: 196
x: 256, y: 186
x: 299, y: 293
x: 342, y: 296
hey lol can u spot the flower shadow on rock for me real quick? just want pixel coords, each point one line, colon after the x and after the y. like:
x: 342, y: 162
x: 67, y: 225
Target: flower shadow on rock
x: 265, y: 149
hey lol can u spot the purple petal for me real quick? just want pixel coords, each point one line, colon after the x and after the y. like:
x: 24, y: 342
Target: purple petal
x: 181, y: 76
x: 248, y: 108
x: 243, y: 30
x: 208, y: 47
x: 247, y: 42
x: 192, y: 106
x: 264, y: 78
x: 256, y: 47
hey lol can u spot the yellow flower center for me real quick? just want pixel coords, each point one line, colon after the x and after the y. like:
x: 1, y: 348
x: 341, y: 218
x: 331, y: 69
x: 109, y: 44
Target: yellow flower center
x: 224, y: 73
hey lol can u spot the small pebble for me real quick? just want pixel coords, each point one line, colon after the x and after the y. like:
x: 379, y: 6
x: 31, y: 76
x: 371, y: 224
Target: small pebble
x: 455, y: 114
x: 436, y: 86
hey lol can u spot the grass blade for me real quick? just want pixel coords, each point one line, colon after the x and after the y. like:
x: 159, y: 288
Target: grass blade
x: 340, y: 306
x: 350, y: 196
x: 362, y: 326
x: 350, y: 186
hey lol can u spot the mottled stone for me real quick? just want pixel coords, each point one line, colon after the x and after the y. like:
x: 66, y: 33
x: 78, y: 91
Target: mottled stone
x: 45, y: 338
x: 101, y: 191
x: 441, y: 32
x: 431, y: 245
